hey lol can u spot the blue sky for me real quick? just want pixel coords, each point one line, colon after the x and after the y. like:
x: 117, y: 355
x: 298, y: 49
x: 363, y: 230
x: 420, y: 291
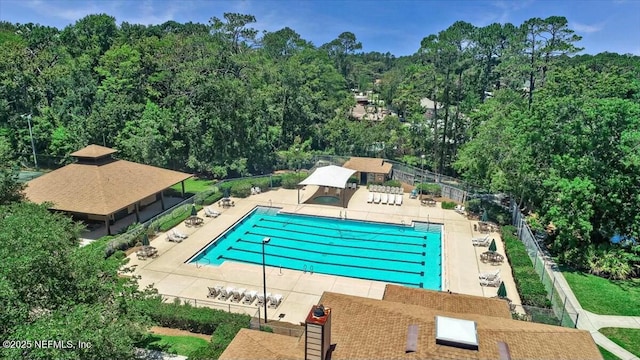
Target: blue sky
x: 396, y: 26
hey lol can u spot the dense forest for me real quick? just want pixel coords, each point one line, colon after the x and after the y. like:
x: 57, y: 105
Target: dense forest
x: 513, y: 110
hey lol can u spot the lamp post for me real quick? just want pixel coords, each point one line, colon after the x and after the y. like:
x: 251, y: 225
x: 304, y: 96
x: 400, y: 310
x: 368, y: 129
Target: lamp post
x: 422, y: 174
x: 33, y: 146
x: 264, y: 278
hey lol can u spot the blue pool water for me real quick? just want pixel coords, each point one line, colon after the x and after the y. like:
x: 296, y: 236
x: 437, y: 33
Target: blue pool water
x: 366, y: 250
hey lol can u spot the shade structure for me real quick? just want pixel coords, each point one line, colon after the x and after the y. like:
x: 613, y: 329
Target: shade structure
x: 194, y: 212
x: 492, y: 246
x: 332, y: 176
x: 502, y: 290
x: 145, y: 240
x: 485, y: 216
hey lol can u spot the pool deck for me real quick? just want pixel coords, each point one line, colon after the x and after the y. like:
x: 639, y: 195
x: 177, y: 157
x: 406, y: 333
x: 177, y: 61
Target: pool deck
x: 174, y: 278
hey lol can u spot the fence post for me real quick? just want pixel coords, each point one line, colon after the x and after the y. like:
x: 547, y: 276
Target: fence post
x: 542, y: 272
x: 564, y: 305
x: 553, y: 287
x: 575, y: 326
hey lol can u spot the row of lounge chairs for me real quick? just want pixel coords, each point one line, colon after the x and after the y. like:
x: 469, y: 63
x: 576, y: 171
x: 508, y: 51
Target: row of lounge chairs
x: 255, y: 190
x: 176, y: 235
x: 379, y: 194
x: 385, y: 189
x: 243, y: 295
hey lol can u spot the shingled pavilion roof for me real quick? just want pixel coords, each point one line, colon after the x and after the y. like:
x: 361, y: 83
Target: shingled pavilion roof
x: 100, y: 188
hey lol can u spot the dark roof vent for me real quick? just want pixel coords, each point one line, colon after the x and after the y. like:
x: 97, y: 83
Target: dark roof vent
x: 319, y: 311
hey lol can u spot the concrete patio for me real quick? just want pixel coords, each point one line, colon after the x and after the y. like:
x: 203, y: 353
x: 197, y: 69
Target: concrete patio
x: 173, y: 277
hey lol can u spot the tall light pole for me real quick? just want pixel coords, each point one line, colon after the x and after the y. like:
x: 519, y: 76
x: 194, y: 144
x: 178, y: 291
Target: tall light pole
x: 33, y: 146
x: 264, y: 278
x: 422, y: 175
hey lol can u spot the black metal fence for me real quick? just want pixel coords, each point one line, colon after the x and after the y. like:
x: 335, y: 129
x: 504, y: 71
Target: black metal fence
x: 562, y: 308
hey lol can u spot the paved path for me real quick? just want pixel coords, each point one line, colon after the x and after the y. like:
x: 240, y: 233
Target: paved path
x: 594, y: 322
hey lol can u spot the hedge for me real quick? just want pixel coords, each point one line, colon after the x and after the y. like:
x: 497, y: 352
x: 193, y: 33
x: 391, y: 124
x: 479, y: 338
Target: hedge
x: 448, y: 205
x: 201, y: 320
x: 430, y: 188
x: 532, y: 291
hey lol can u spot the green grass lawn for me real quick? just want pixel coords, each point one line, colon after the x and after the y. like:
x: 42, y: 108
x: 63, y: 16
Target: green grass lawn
x: 627, y: 338
x: 603, y: 296
x: 181, y: 345
x: 607, y: 355
x: 193, y: 185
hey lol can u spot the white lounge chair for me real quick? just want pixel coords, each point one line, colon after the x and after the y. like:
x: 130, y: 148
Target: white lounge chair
x: 483, y: 241
x: 171, y: 236
x: 209, y: 212
x: 261, y: 299
x: 258, y: 190
x: 275, y: 300
x: 180, y: 234
x: 376, y: 198
x: 459, y: 209
x: 384, y: 198
x: 214, y: 291
x: 238, y: 294
x: 494, y: 283
x: 392, y: 199
x: 490, y: 275
x: 249, y: 297
x: 399, y: 199
x: 370, y: 197
x: 226, y: 293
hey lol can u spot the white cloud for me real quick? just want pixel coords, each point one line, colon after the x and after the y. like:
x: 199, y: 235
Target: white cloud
x: 585, y: 28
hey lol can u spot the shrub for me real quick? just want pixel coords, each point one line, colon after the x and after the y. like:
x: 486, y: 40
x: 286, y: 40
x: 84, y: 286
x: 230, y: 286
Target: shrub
x: 532, y: 291
x: 353, y: 179
x: 449, y: 205
x: 474, y: 206
x: 241, y: 190
x: 177, y: 216
x: 430, y: 188
x: 212, y: 198
x: 186, y: 317
x: 290, y: 180
x: 393, y: 183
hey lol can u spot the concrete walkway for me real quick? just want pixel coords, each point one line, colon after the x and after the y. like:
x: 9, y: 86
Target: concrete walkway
x: 594, y: 322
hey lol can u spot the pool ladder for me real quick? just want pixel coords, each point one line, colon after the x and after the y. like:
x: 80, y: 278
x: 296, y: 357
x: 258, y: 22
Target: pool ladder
x: 198, y: 266
x: 305, y: 270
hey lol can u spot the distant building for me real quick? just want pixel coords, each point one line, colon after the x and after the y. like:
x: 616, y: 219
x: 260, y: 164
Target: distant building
x: 428, y: 106
x: 369, y: 169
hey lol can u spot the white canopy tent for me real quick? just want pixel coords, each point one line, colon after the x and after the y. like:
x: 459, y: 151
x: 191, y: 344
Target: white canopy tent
x: 332, y: 176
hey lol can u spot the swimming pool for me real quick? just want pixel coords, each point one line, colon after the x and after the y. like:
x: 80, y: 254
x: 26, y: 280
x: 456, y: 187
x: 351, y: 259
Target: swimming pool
x: 398, y: 254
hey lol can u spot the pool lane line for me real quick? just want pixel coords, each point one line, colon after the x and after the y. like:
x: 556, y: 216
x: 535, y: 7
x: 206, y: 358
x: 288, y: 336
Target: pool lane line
x: 336, y: 229
x: 343, y: 245
x: 414, y: 273
x: 341, y: 237
x: 419, y: 285
x: 333, y: 254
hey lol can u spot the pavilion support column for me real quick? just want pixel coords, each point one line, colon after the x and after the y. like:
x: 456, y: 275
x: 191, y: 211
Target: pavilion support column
x: 298, y: 194
x: 162, y: 200
x: 182, y: 183
x: 137, y: 212
x: 106, y: 223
